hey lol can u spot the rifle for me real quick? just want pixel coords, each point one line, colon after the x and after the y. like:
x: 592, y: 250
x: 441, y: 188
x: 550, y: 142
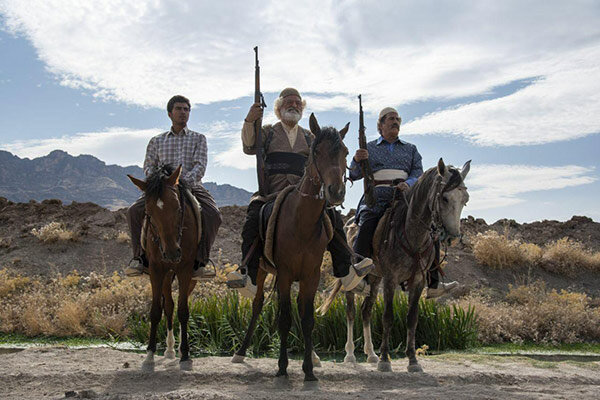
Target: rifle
x: 263, y: 190
x: 365, y: 167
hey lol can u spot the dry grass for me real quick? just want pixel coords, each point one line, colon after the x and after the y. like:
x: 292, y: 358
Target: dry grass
x: 94, y: 305
x: 123, y: 237
x: 532, y: 313
x: 564, y: 256
x: 497, y: 251
x: 567, y: 257
x: 10, y: 283
x: 54, y: 232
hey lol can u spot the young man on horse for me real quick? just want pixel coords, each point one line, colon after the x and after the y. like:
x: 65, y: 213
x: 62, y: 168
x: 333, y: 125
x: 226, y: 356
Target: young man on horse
x: 396, y: 166
x: 178, y: 146
x: 286, y: 147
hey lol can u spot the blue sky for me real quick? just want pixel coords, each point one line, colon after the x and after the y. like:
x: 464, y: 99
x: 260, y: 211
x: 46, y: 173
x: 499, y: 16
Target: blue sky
x: 514, y: 86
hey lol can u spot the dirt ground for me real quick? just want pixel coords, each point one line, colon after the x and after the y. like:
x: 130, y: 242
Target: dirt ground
x: 104, y: 373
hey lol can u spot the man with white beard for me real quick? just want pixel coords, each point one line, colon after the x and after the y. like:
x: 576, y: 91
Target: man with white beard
x: 286, y: 147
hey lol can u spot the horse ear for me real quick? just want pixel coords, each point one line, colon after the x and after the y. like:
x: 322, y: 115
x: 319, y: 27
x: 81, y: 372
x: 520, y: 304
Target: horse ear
x: 465, y: 169
x: 137, y: 182
x: 344, y: 130
x: 314, y: 125
x: 173, y: 180
x: 441, y: 167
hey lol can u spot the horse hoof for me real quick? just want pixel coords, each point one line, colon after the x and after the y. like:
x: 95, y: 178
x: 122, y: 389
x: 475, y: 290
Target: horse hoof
x: 384, y: 366
x: 185, y: 365
x: 350, y: 359
x: 282, y: 382
x: 310, y: 386
x: 148, y: 366
x: 170, y: 354
x: 237, y: 359
x: 414, y: 368
x: 373, y: 359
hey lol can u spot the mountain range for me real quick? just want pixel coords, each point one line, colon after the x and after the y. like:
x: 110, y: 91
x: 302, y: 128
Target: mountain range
x: 85, y: 179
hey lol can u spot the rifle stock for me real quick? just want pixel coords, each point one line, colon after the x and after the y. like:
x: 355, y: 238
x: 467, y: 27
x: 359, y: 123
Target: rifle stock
x: 263, y: 190
x: 365, y: 166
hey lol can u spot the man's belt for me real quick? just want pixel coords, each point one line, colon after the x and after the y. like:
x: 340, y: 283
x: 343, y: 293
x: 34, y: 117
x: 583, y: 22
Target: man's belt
x: 285, y: 163
x: 387, y: 182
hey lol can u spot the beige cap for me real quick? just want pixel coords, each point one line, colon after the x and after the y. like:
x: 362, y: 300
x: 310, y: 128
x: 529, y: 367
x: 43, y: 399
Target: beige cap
x: 385, y: 111
x: 289, y: 92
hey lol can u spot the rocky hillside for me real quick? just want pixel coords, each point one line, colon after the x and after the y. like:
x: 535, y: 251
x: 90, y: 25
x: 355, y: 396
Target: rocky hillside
x: 100, y: 244
x: 84, y: 179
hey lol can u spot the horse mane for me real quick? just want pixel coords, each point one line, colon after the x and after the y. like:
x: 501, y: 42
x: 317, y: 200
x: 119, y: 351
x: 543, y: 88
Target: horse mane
x: 419, y: 192
x: 154, y: 181
x: 331, y: 134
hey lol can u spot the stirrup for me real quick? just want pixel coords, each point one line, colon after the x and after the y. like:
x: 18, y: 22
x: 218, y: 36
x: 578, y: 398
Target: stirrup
x: 236, y: 280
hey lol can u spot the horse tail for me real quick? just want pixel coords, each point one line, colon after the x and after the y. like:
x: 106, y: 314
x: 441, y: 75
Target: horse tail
x: 329, y: 300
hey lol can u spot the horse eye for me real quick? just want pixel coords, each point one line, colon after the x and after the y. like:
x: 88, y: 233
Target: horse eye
x: 445, y: 199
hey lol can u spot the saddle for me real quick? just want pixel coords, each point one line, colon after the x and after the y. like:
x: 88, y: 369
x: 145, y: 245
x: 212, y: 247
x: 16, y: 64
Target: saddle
x: 196, y: 207
x: 269, y: 213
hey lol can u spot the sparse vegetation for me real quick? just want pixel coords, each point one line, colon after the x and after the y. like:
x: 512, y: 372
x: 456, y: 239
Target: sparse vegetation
x: 54, y: 232
x: 123, y: 237
x: 535, y: 314
x: 564, y: 256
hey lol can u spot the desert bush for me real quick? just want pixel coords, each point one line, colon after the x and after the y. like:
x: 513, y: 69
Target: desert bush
x: 566, y: 256
x: 123, y: 237
x: 532, y: 313
x: 54, y: 232
x: 497, y: 251
x: 10, y: 283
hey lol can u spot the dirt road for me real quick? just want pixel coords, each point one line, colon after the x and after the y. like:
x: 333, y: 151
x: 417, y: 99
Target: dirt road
x: 58, y: 372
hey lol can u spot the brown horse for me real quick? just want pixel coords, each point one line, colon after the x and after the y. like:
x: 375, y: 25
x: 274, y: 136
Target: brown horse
x: 300, y: 241
x: 171, y: 240
x: 404, y: 253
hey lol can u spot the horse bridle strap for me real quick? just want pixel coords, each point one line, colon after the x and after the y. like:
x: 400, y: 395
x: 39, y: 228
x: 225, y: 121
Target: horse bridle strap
x: 180, y: 225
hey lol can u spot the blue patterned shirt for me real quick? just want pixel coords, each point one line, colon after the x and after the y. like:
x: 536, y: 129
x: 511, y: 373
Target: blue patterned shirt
x: 384, y: 155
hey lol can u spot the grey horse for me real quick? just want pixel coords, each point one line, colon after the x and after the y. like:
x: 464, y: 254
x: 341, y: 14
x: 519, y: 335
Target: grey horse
x: 403, y: 252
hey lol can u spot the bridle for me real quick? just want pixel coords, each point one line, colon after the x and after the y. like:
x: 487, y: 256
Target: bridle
x: 155, y: 232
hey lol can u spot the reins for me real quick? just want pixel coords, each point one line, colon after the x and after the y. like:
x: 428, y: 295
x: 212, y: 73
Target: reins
x: 155, y: 232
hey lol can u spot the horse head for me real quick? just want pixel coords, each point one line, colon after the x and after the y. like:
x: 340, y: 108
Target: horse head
x: 328, y: 160
x: 164, y: 209
x: 451, y: 196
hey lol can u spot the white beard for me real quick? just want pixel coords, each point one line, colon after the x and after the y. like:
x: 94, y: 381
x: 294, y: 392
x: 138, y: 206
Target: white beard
x: 291, y: 116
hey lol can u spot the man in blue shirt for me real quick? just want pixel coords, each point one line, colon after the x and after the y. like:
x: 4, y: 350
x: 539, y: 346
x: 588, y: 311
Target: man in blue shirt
x: 391, y: 159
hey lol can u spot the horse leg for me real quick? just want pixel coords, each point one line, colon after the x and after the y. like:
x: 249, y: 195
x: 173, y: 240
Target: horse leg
x: 367, y: 309
x: 183, y: 314
x: 169, y: 305
x: 156, y: 279
x: 257, y: 305
x: 385, y: 364
x: 306, y: 306
x: 411, y: 324
x: 284, y: 322
x: 350, y: 314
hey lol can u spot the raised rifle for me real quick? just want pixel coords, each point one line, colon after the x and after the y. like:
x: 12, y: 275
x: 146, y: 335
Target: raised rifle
x: 365, y: 167
x: 263, y: 189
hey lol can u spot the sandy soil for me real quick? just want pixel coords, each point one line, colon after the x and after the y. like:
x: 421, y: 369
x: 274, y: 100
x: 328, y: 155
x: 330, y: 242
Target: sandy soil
x: 58, y: 372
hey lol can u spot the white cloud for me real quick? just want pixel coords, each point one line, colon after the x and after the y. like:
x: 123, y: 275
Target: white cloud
x: 393, y: 53
x: 234, y: 157
x: 497, y: 185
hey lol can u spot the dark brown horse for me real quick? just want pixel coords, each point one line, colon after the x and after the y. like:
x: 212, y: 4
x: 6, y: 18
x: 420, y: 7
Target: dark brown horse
x: 404, y: 253
x: 300, y: 241
x: 171, y: 240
